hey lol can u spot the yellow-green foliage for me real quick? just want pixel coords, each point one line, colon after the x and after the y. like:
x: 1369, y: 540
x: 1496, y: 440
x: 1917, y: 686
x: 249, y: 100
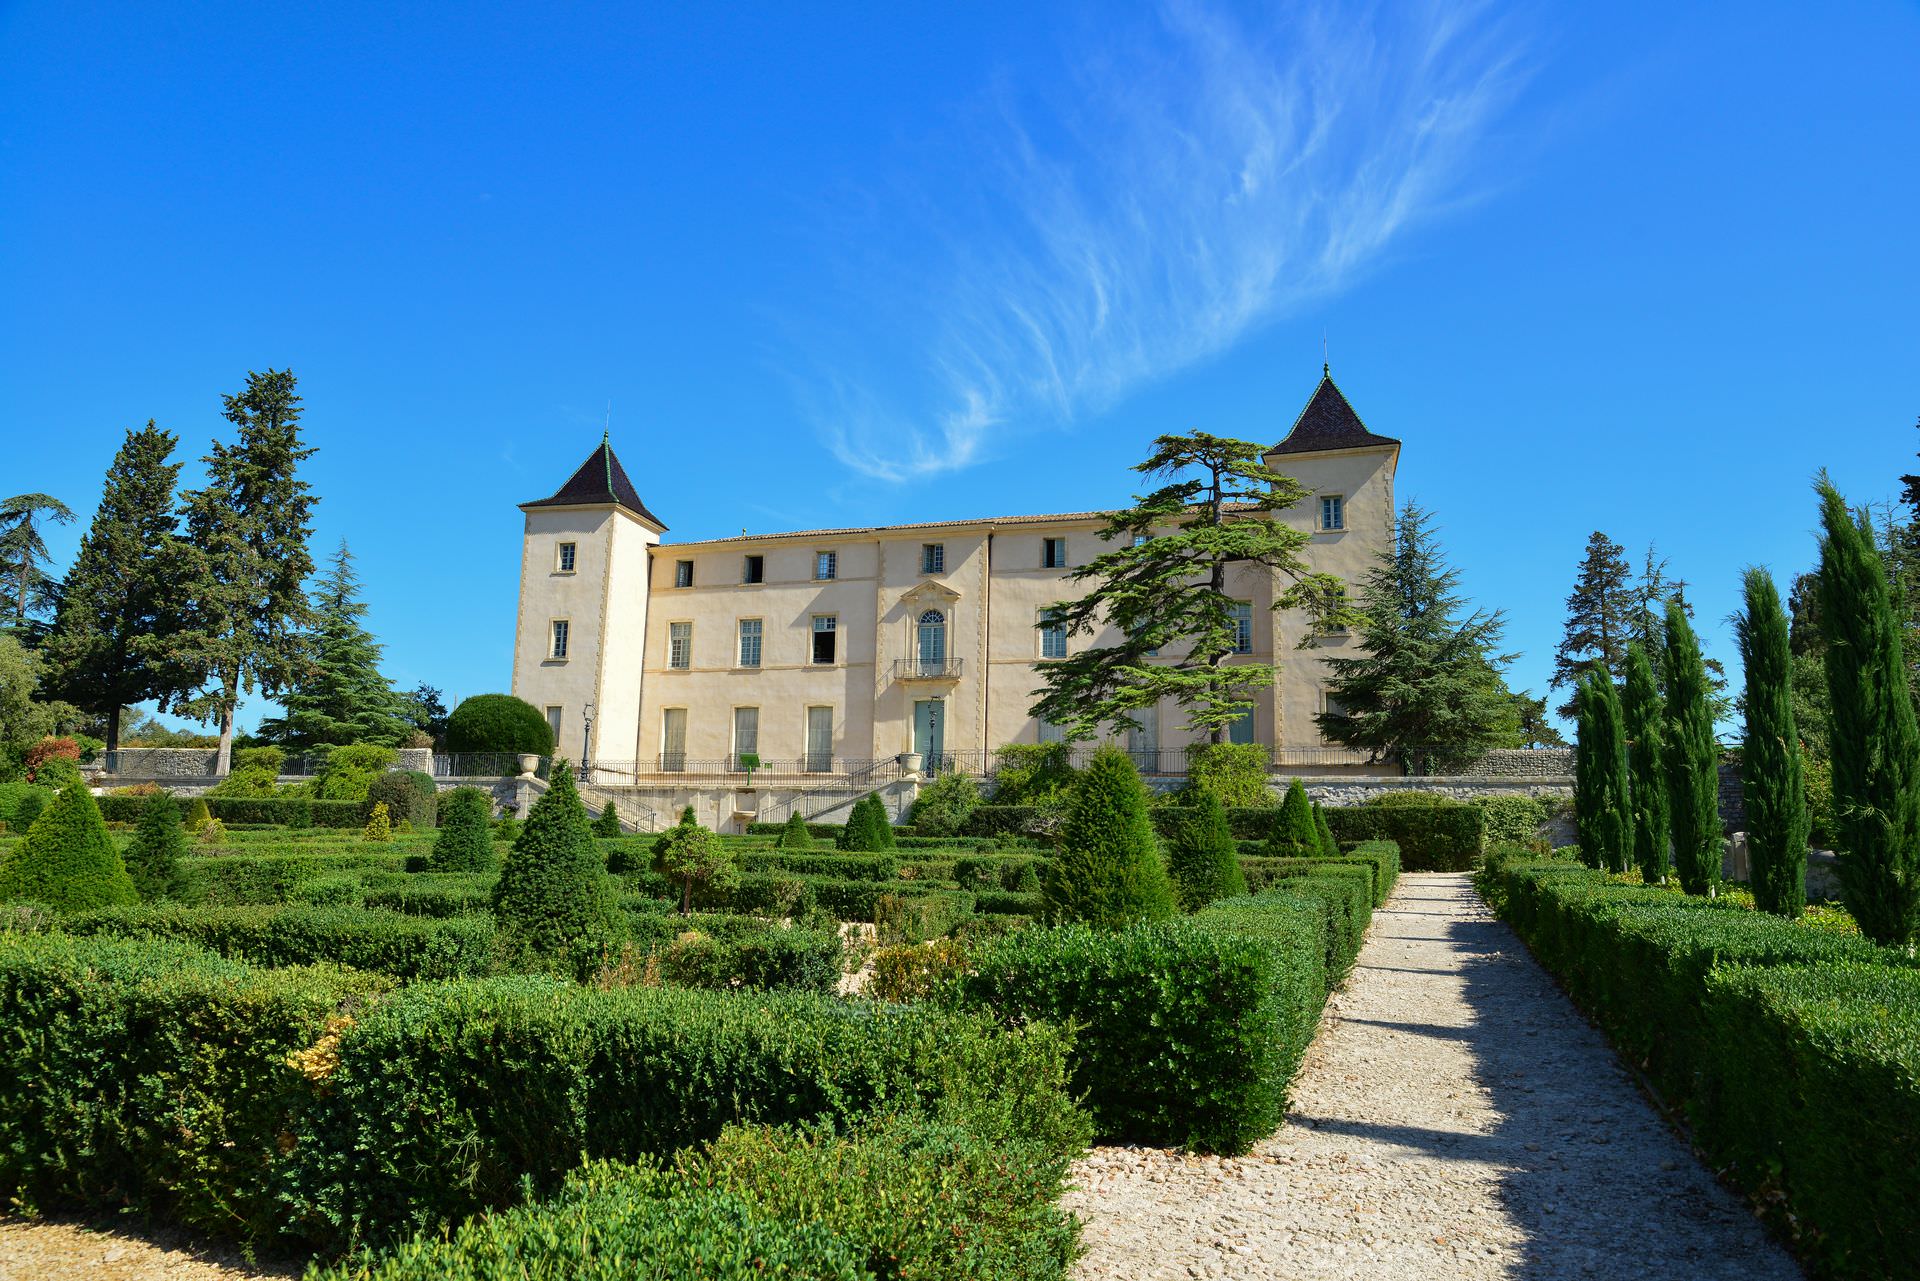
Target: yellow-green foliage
x: 212, y: 832
x: 378, y: 828
x: 197, y: 815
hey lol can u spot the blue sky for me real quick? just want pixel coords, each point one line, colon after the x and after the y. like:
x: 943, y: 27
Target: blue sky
x: 1640, y: 268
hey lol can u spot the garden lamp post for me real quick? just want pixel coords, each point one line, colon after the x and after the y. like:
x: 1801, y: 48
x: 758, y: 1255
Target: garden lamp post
x: 586, y: 739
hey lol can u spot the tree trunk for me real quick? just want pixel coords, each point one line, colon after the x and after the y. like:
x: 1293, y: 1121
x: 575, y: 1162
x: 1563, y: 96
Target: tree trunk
x: 224, y: 761
x: 113, y: 732
x: 686, y: 896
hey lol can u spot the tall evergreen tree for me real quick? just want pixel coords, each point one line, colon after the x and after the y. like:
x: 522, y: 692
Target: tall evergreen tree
x: 1426, y: 686
x: 1775, y: 785
x: 249, y: 527
x: 338, y: 695
x: 1692, y: 760
x: 117, y: 639
x: 1606, y: 826
x: 1876, y: 745
x: 1599, y: 618
x: 1108, y: 871
x: 1645, y: 720
x: 27, y: 586
x: 1164, y: 591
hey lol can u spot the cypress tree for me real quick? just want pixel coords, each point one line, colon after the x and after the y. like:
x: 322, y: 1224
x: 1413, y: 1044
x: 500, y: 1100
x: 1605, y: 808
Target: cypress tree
x: 552, y: 896
x: 1108, y: 871
x: 117, y: 638
x: 1770, y: 765
x: 1587, y: 776
x: 794, y: 835
x: 1693, y: 760
x: 1293, y: 834
x: 1645, y: 719
x: 608, y: 824
x: 1614, y: 819
x: 1201, y: 855
x: 67, y: 860
x: 153, y: 857
x: 1329, y: 847
x: 464, y: 842
x: 336, y: 693
x: 1876, y: 746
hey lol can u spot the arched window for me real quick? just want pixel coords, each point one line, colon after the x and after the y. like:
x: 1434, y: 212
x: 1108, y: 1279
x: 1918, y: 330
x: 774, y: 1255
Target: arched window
x: 933, y: 641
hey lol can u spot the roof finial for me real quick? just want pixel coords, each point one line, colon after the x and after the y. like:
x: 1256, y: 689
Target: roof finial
x: 606, y: 430
x: 1326, y: 366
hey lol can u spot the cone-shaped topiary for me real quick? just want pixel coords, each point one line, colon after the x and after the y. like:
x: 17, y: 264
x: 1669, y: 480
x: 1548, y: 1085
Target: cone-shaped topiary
x: 464, y: 842
x: 553, y: 896
x: 1646, y: 726
x: 198, y: 815
x: 794, y: 836
x: 1201, y: 855
x: 1693, y: 760
x: 153, y: 857
x: 608, y: 824
x: 1293, y: 834
x: 1329, y: 847
x: 378, y: 827
x: 212, y: 833
x: 868, y: 829
x: 67, y: 860
x: 1109, y: 871
x: 1771, y: 772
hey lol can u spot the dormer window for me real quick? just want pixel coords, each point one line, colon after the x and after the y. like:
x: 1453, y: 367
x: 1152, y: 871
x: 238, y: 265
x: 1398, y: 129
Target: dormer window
x: 1333, y: 512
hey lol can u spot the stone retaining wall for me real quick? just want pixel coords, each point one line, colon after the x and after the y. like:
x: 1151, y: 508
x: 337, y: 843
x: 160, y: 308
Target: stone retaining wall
x: 1347, y: 790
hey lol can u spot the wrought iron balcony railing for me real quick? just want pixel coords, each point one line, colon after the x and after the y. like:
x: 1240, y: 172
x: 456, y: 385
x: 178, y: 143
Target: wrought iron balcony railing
x: 920, y: 669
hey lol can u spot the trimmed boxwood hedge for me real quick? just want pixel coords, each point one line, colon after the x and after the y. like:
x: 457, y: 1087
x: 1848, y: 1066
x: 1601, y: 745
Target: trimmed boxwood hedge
x: 1432, y: 838
x: 1381, y: 858
x: 848, y: 867
x: 231, y: 879
x: 269, y: 811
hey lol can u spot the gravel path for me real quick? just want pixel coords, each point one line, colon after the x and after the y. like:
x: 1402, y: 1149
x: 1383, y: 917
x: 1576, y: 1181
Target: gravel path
x: 1456, y: 1117
x: 81, y: 1250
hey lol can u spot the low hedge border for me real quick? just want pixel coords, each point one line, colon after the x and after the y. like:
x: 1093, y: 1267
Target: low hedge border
x: 275, y: 811
x: 1431, y: 838
x: 236, y: 879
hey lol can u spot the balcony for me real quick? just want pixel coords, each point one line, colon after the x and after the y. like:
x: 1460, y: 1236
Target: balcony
x: 917, y: 669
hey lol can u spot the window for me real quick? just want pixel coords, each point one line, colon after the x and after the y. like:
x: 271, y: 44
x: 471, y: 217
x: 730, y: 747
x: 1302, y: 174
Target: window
x: 1053, y: 635
x: 749, y: 642
x: 1140, y: 540
x: 680, y: 645
x: 683, y: 573
x: 564, y: 562
x: 826, y: 565
x: 1053, y: 553
x: 673, y: 739
x: 819, y: 740
x: 1333, y: 512
x: 746, y: 734
x: 824, y: 630
x: 933, y: 558
x: 1242, y: 627
x: 754, y: 570
x: 553, y: 723
x: 560, y: 629
x: 933, y: 642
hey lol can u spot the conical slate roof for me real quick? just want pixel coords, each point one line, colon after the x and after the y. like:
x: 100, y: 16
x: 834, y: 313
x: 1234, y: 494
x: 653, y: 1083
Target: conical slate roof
x: 599, y: 480
x: 1328, y: 422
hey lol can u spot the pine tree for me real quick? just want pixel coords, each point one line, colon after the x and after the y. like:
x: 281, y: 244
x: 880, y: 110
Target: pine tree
x: 1202, y: 857
x: 1293, y: 834
x: 28, y: 588
x: 153, y: 857
x: 1692, y: 760
x: 553, y: 896
x: 1770, y: 766
x: 608, y: 824
x: 1329, y: 847
x: 249, y: 529
x: 337, y: 694
x: 1876, y: 745
x: 1427, y: 687
x: 67, y: 859
x: 1599, y: 618
x: 117, y: 638
x: 464, y: 842
x: 1108, y: 870
x: 794, y: 835
x: 1645, y: 720
x: 1163, y: 592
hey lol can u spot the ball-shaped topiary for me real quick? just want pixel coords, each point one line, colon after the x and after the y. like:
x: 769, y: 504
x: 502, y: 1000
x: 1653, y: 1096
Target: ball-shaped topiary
x: 1201, y: 855
x: 1109, y: 871
x: 464, y: 842
x: 553, y: 899
x: 499, y: 723
x: 410, y: 797
x: 67, y: 860
x: 1293, y: 834
x: 153, y: 857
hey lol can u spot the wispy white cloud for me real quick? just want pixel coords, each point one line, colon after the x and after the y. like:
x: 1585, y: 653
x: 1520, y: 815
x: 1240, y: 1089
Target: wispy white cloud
x: 1178, y: 187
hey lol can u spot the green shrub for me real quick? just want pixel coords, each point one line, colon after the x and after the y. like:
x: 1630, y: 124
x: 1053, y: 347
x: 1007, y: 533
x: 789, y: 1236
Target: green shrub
x: 792, y: 960
x: 439, y: 894
x: 1329, y: 847
x: 1432, y: 838
x: 1109, y: 871
x: 1408, y: 798
x: 608, y: 822
x: 198, y: 816
x: 1201, y: 856
x: 409, y: 795
x: 153, y: 857
x: 868, y: 829
x: 794, y: 834
x: 66, y: 860
x: 552, y: 901
x: 21, y: 803
x: 377, y: 828
x: 1006, y: 820
x: 1380, y: 858
x: 851, y: 867
x: 1293, y: 834
x: 1233, y: 773
x: 691, y: 856
x: 405, y: 947
x: 1511, y: 820
x: 1032, y: 774
x: 943, y: 806
x: 464, y: 842
x: 348, y: 773
x: 1346, y: 890
x: 901, y: 918
x: 255, y: 772
x: 499, y: 723
x: 237, y: 879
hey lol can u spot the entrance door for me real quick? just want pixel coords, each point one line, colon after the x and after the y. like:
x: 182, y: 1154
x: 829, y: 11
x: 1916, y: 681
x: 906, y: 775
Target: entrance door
x: 929, y: 730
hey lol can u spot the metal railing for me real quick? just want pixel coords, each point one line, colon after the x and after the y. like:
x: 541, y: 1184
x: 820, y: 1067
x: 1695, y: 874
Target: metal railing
x: 920, y: 669
x: 673, y: 768
x: 876, y: 774
x: 484, y: 765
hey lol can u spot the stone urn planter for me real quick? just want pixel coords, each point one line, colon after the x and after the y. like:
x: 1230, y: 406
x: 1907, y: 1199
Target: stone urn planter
x: 912, y: 761
x: 528, y: 764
